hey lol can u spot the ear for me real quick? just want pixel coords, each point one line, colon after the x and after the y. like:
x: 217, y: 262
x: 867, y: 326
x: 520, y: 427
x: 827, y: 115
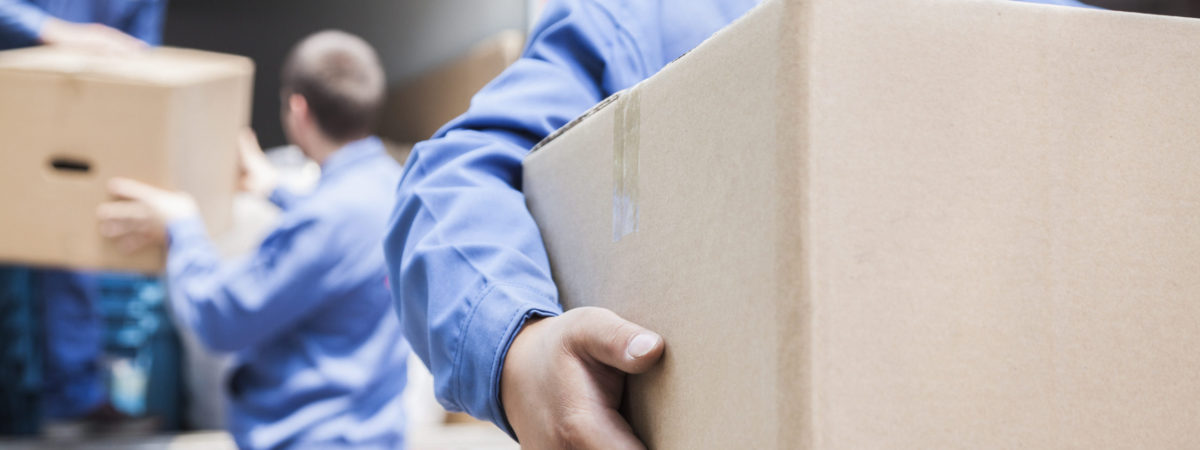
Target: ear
x: 298, y: 106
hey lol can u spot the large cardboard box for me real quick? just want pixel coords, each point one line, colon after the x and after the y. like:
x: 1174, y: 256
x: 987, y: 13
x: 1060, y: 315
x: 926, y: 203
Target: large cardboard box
x: 909, y: 224
x: 419, y: 107
x: 69, y: 122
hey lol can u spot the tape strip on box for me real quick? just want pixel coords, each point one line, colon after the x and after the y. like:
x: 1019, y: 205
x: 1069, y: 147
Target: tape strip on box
x: 626, y: 147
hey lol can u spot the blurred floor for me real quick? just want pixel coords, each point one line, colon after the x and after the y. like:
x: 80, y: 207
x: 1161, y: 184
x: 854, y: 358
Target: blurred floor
x: 469, y: 436
x: 472, y: 436
x: 214, y: 440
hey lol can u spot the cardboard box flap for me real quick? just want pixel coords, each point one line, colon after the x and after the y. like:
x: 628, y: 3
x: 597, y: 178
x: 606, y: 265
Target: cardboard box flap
x: 158, y: 66
x: 563, y: 129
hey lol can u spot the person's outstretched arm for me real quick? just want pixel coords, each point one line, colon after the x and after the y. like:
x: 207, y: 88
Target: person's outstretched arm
x: 237, y: 304
x: 467, y: 264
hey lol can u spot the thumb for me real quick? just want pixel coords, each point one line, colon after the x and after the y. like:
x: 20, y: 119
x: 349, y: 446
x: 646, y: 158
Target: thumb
x: 127, y: 189
x: 606, y: 337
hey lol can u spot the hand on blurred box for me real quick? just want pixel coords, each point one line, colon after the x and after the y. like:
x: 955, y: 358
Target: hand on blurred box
x: 255, y: 173
x: 91, y: 37
x: 140, y: 214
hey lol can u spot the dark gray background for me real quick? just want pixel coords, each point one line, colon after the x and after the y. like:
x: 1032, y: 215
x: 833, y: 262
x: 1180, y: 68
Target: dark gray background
x: 412, y: 36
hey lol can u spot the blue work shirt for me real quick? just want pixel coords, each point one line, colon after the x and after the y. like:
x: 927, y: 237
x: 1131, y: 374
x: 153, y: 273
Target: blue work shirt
x: 468, y: 259
x: 21, y: 20
x: 319, y: 357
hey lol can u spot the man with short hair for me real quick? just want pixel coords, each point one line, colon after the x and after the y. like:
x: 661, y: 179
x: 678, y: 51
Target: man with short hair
x: 320, y: 360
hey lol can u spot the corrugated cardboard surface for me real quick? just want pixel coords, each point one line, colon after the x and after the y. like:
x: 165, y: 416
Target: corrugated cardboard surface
x: 169, y: 118
x: 418, y: 108
x: 906, y: 224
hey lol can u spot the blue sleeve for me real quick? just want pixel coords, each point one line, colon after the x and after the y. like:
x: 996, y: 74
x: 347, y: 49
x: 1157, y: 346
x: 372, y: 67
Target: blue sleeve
x: 20, y: 23
x: 242, y: 303
x: 147, y: 22
x: 467, y: 261
x: 283, y: 198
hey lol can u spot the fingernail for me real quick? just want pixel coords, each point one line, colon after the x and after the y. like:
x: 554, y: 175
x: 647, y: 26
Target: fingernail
x: 641, y: 345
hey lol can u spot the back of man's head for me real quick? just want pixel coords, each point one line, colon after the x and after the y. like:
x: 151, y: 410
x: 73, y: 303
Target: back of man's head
x: 340, y: 77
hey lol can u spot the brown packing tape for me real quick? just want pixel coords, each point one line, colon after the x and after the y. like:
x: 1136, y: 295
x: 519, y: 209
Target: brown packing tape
x: 625, y: 164
x: 794, y: 308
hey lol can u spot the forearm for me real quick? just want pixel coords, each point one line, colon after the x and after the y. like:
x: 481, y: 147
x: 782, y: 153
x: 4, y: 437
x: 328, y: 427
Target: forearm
x: 464, y: 292
x: 232, y: 305
x: 192, y: 267
x: 466, y: 259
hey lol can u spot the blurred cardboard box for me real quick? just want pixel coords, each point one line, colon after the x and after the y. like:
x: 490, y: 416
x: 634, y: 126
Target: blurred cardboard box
x: 71, y: 121
x: 910, y: 224
x: 419, y: 107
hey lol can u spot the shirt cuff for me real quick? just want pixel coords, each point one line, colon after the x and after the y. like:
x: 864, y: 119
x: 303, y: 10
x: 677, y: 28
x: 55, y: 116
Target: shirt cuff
x: 282, y: 197
x: 500, y: 313
x: 183, y: 232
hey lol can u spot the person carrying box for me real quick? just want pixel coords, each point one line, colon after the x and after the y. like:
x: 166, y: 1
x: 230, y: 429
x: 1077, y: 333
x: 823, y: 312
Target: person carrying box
x: 470, y: 272
x: 320, y: 360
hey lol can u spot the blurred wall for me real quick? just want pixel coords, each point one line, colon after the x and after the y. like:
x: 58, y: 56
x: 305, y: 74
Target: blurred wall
x: 412, y: 36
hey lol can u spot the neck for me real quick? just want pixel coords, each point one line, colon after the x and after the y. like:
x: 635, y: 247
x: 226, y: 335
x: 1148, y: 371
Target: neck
x: 321, y: 149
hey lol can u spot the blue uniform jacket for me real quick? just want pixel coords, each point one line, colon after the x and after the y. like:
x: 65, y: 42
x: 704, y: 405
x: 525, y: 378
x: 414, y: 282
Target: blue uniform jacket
x: 319, y: 357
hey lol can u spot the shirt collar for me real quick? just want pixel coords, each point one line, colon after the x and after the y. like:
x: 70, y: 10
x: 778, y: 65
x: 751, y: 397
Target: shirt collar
x: 350, y: 155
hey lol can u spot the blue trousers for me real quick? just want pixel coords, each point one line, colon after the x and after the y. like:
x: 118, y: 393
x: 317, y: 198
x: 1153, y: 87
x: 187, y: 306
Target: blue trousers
x: 74, y: 343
